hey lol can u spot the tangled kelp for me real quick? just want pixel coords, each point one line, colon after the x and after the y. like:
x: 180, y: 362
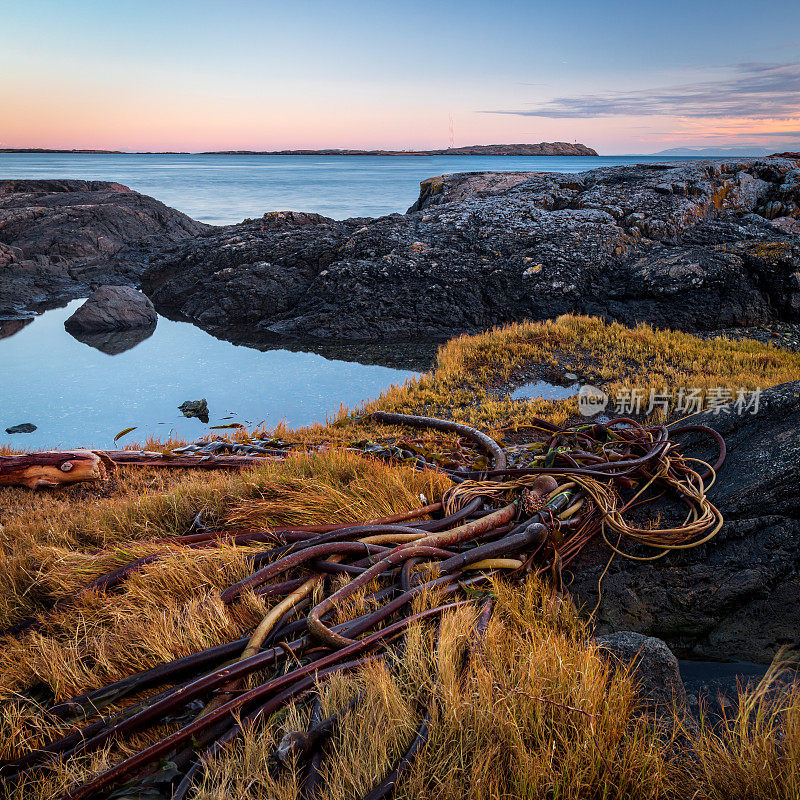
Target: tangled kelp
x: 504, y: 521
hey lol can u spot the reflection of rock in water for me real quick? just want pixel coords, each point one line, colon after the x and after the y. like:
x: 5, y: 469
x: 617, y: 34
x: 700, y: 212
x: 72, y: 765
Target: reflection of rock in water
x: 8, y: 327
x: 417, y: 356
x: 114, y: 342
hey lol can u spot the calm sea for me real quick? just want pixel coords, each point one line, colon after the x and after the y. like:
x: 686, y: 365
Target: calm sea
x: 222, y: 190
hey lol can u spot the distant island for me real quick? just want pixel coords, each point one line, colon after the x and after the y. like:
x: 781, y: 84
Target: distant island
x: 541, y: 149
x: 52, y: 150
x: 48, y: 150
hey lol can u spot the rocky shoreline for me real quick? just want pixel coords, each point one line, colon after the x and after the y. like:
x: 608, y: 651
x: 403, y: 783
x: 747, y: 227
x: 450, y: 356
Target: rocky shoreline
x: 59, y: 239
x: 735, y: 598
x: 698, y: 246
x: 715, y: 250
x: 694, y: 246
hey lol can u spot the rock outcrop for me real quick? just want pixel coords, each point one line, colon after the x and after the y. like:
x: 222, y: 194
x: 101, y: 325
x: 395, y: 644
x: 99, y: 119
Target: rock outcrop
x: 737, y: 597
x: 113, y: 308
x: 696, y: 245
x: 59, y: 238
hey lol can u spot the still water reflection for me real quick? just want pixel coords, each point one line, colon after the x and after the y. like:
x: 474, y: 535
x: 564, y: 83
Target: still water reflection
x: 81, y: 393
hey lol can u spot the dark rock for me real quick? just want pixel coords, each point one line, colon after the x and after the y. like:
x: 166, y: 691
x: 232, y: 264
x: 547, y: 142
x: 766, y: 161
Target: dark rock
x: 195, y: 408
x: 738, y: 596
x: 249, y: 273
x: 113, y: 308
x: 653, y: 666
x: 463, y: 185
x: 60, y: 238
x: 25, y: 427
x: 482, y: 249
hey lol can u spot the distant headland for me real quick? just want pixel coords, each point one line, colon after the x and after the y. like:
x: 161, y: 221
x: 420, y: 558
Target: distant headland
x: 55, y: 150
x: 541, y: 149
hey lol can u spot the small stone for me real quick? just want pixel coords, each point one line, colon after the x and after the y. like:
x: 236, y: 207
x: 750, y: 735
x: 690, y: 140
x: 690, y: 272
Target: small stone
x: 664, y: 188
x: 195, y: 408
x: 25, y: 427
x: 570, y: 376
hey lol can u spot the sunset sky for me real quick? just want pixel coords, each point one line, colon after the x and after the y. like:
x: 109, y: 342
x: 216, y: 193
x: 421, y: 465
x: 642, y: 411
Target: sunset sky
x: 622, y: 77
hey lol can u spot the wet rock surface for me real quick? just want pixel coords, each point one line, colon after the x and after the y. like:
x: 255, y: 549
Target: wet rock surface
x: 113, y: 308
x: 61, y: 238
x: 691, y: 245
x: 738, y: 596
x: 780, y: 334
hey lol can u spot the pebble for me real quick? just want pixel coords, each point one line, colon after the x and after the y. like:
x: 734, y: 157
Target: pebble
x: 25, y: 427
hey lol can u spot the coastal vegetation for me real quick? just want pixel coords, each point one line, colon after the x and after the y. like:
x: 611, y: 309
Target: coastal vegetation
x: 540, y: 714
x: 471, y: 371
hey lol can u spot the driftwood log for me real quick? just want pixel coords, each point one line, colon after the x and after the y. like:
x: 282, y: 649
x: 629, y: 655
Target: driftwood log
x: 61, y: 467
x: 54, y: 468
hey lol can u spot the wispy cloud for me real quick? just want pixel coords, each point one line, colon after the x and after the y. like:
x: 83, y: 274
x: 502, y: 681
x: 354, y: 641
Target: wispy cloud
x: 778, y: 134
x: 752, y: 90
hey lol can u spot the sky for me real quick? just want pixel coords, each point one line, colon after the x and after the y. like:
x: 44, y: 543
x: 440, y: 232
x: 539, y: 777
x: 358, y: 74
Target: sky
x: 622, y: 77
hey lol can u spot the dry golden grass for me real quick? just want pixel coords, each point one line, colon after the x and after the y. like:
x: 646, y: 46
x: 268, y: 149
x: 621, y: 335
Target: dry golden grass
x: 758, y: 754
x: 338, y: 485
x: 537, y: 714
x: 615, y: 356
x: 168, y: 608
x: 504, y: 729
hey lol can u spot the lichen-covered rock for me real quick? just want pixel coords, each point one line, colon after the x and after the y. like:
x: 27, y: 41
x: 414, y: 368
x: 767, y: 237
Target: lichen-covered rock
x: 113, y: 308
x: 694, y: 245
x: 738, y: 596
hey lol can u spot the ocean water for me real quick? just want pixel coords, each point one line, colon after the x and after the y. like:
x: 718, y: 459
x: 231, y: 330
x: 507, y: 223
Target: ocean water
x: 222, y: 190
